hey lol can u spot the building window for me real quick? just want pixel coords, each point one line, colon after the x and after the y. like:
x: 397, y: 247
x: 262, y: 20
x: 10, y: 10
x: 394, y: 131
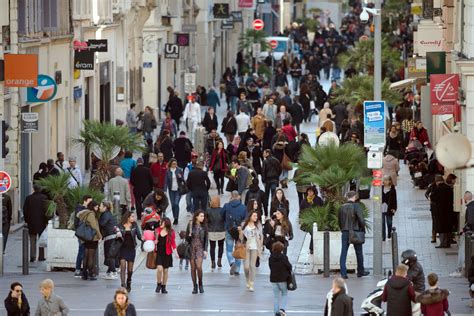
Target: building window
x: 35, y: 16
x: 50, y: 15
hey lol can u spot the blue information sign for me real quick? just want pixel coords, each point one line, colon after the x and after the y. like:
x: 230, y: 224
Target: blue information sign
x: 374, y: 124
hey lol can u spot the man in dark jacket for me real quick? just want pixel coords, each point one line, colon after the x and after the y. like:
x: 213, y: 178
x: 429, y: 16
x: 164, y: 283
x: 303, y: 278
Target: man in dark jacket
x: 271, y: 170
x: 108, y: 226
x: 7, y: 213
x: 211, y: 141
x: 234, y: 213
x: 340, y: 112
x: 34, y: 210
x: 175, y: 107
x: 182, y: 149
x: 338, y: 302
x: 198, y: 184
x: 210, y: 120
x: 443, y: 198
x: 469, y: 210
x: 351, y: 218
x: 142, y: 182
x: 399, y: 293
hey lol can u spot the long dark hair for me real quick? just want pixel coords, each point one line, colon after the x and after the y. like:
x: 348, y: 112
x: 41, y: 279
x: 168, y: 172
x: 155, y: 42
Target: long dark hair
x: 250, y: 205
x: 247, y: 220
x: 125, y: 217
x: 283, y: 197
x: 91, y: 206
x: 284, y: 221
x: 196, y: 214
x: 167, y: 223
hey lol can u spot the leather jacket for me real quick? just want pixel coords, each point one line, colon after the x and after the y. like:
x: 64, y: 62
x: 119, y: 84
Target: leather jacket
x: 351, y: 217
x: 136, y: 233
x: 203, y: 235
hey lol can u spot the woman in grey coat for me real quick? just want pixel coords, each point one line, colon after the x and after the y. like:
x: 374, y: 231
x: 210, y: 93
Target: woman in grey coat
x: 215, y: 226
x: 149, y: 122
x: 50, y: 303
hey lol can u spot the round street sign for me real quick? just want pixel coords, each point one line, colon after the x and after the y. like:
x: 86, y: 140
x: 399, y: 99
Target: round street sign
x: 5, y: 182
x: 273, y: 44
x: 257, y: 24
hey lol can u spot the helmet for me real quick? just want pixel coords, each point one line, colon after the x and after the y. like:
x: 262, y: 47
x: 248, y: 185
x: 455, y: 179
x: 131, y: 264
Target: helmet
x: 409, y: 257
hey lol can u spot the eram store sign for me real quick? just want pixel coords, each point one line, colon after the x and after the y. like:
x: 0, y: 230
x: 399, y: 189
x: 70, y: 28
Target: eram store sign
x: 84, y: 53
x: 21, y: 70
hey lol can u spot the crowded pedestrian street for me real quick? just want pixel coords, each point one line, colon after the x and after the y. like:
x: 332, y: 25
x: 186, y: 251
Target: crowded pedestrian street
x: 250, y: 157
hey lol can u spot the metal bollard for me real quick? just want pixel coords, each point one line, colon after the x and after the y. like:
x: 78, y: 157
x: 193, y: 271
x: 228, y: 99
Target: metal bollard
x: 394, y: 248
x: 25, y: 243
x: 326, y: 254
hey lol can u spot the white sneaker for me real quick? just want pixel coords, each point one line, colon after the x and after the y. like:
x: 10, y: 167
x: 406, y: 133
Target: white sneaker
x: 115, y: 275
x: 251, y: 289
x: 108, y: 276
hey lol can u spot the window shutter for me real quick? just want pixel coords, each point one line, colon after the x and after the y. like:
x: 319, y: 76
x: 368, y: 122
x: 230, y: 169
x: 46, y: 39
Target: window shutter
x: 54, y: 13
x: 31, y: 16
x: 22, y: 16
x: 46, y: 15
x: 38, y: 16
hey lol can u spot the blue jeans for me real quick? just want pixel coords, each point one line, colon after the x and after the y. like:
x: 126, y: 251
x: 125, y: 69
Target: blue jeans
x: 358, y: 251
x: 132, y: 130
x: 233, y: 104
x: 189, y: 202
x: 279, y: 303
x: 148, y: 135
x: 80, y: 255
x: 296, y: 83
x: 284, y: 175
x: 174, y: 200
x: 386, y: 222
x: 229, y: 248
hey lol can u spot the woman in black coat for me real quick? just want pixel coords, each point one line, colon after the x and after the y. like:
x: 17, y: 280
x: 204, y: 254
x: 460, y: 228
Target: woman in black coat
x: 164, y: 144
x: 389, y: 206
x: 229, y: 126
x: 443, y: 198
x: 16, y: 295
x: 280, y: 271
x: 209, y: 122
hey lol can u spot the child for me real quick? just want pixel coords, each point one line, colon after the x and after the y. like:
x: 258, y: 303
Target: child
x: 434, y: 301
x: 150, y: 218
x: 182, y: 251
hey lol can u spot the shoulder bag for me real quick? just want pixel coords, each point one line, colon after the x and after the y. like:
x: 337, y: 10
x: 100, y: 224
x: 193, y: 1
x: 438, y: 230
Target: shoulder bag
x: 151, y: 260
x: 84, y: 232
x: 286, y: 163
x: 115, y: 248
x: 291, y: 282
x: 240, y: 250
x: 356, y: 237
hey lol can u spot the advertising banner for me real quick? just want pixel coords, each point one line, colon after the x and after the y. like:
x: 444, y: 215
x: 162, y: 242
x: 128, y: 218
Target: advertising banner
x: 374, y: 124
x: 444, y: 93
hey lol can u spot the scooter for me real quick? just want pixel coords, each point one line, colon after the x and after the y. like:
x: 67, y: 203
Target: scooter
x: 372, y: 305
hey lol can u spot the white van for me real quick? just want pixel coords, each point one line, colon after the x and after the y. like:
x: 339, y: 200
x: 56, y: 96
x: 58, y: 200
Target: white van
x: 285, y: 45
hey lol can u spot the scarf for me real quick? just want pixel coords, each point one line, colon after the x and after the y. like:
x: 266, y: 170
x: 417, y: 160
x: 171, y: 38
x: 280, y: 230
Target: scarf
x: 121, y: 310
x: 310, y: 199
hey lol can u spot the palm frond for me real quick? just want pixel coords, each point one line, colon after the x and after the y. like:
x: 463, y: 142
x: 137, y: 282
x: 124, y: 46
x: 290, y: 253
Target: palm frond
x: 74, y: 196
x: 55, y: 185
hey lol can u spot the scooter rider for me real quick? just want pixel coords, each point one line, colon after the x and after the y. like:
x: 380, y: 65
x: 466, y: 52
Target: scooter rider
x: 415, y: 270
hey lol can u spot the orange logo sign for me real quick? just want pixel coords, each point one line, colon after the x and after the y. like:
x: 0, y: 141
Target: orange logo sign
x: 21, y: 70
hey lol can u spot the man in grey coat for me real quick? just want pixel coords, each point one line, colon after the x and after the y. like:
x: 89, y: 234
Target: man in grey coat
x: 132, y: 119
x: 118, y: 185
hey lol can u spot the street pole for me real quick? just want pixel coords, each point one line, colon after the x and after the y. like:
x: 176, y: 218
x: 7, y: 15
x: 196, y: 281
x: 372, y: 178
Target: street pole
x: 2, y: 107
x: 377, y: 198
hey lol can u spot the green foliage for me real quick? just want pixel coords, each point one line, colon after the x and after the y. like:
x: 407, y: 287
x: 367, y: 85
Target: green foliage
x: 356, y: 90
x: 264, y: 70
x: 361, y: 58
x: 106, y: 137
x: 330, y: 168
x: 74, y: 196
x: 57, y: 188
x: 311, y: 23
x: 251, y: 37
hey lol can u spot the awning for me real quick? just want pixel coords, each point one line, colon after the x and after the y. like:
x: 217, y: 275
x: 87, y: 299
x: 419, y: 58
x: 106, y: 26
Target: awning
x: 402, y: 84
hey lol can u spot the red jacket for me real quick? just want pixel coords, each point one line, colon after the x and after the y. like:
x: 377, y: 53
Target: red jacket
x: 289, y: 132
x: 158, y: 172
x: 222, y: 160
x: 170, y: 240
x: 421, y: 135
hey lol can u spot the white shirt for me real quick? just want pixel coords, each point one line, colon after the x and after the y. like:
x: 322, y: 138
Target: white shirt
x: 192, y: 112
x: 243, y: 122
x: 174, y: 180
x: 76, y: 172
x: 251, y: 234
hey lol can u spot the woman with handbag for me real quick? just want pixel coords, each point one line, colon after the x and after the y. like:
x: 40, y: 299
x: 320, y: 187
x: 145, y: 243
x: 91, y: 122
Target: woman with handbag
x: 389, y: 206
x: 251, y: 231
x: 279, y: 201
x: 129, y: 232
x: 280, y: 152
x: 174, y: 182
x: 197, y: 237
x: 215, y: 224
x: 278, y: 228
x: 219, y: 166
x: 88, y: 216
x: 165, y: 246
x: 280, y: 272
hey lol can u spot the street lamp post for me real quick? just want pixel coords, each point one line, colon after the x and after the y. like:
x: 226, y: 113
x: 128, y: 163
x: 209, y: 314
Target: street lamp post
x: 377, y: 192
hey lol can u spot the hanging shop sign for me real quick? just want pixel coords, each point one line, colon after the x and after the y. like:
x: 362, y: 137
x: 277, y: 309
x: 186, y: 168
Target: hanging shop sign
x: 221, y: 11
x: 182, y: 39
x: 21, y: 70
x: 29, y: 122
x: 237, y: 16
x: 98, y: 45
x: 444, y: 91
x: 171, y: 51
x: 247, y: 4
x: 44, y: 91
x: 84, y: 60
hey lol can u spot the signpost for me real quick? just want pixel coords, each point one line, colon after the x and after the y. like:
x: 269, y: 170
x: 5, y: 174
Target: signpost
x: 258, y: 24
x: 29, y: 122
x: 273, y: 44
x: 374, y: 139
x: 5, y: 182
x: 256, y: 50
x: 189, y: 82
x: 227, y: 25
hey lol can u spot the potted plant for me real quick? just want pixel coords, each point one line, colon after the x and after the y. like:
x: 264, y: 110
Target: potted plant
x: 331, y: 168
x: 106, y: 140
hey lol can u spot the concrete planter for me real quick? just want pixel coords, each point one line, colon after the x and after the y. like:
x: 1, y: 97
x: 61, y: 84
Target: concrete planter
x: 62, y: 248
x: 334, y: 251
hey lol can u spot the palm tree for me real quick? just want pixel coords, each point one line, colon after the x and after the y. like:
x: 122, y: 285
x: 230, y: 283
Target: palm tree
x: 331, y: 168
x: 74, y: 196
x: 107, y: 140
x: 361, y: 58
x: 57, y: 189
x: 251, y: 37
x: 357, y: 89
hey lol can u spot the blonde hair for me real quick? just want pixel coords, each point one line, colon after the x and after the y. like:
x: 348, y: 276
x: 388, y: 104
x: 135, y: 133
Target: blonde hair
x: 401, y: 270
x: 47, y: 284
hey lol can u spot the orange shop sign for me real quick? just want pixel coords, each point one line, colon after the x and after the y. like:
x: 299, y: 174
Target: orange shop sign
x: 21, y: 70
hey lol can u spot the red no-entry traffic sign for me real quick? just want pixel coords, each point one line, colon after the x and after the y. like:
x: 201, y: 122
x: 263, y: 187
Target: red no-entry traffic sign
x: 257, y: 24
x: 5, y: 182
x: 273, y: 44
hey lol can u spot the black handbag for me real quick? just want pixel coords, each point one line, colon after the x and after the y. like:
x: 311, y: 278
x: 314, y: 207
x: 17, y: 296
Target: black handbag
x: 182, y: 188
x: 84, y: 232
x: 115, y: 248
x: 356, y: 237
x: 291, y: 282
x: 184, y: 250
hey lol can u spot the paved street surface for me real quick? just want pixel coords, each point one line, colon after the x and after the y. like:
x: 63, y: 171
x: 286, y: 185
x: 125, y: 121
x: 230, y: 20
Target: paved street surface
x: 226, y: 295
